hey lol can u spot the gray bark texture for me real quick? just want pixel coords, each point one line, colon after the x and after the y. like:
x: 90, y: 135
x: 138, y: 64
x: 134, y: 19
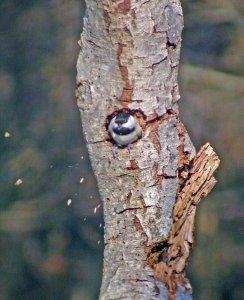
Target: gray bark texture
x: 129, y: 58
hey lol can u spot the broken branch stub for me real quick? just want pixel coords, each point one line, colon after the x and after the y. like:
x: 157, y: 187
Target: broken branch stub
x: 129, y: 60
x: 170, y: 267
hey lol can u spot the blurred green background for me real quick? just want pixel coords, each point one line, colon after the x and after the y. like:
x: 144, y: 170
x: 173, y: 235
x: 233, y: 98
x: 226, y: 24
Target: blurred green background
x: 52, y: 250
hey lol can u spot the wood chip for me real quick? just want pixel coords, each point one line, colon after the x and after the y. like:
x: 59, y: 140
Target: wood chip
x: 69, y: 201
x: 18, y: 182
x: 7, y: 134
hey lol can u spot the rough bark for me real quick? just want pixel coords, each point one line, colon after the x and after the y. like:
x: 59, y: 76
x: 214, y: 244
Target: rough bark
x: 129, y: 59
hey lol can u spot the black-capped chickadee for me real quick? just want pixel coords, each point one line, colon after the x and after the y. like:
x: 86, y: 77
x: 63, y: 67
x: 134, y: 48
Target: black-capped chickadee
x: 124, y: 129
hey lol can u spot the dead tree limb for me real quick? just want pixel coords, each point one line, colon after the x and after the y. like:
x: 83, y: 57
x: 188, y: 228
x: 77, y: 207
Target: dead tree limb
x: 129, y: 60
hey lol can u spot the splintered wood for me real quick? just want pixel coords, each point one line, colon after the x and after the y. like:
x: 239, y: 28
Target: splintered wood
x: 170, y: 268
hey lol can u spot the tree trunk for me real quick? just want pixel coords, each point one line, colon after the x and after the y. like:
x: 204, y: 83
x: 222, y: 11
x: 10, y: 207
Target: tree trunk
x: 129, y: 60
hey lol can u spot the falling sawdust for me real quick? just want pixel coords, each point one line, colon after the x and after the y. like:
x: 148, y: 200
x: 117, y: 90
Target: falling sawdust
x: 18, y: 182
x: 7, y: 134
x: 69, y: 201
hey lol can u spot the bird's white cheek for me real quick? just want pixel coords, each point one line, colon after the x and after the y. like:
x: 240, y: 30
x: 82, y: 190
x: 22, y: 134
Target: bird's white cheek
x: 130, y: 123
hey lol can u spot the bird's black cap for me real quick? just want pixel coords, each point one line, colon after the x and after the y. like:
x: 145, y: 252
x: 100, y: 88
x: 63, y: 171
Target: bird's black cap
x: 122, y: 117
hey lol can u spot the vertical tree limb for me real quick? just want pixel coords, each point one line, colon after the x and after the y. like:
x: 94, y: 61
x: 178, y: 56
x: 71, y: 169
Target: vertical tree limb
x: 129, y: 59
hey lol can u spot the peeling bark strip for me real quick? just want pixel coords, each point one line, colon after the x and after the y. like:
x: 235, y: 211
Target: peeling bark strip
x: 129, y: 60
x: 169, y: 259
